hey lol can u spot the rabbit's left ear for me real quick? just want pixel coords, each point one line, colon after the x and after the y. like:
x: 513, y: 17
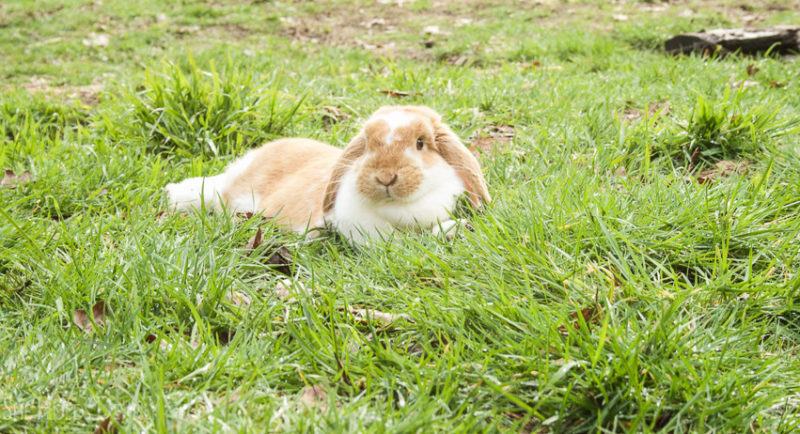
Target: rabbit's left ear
x: 465, y: 164
x: 353, y: 151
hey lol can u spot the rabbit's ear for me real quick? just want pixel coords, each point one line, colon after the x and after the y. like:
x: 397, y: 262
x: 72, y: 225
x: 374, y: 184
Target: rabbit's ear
x: 465, y: 164
x: 353, y: 151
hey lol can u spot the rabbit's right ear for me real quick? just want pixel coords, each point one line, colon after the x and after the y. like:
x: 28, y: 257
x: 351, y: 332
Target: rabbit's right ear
x: 353, y: 151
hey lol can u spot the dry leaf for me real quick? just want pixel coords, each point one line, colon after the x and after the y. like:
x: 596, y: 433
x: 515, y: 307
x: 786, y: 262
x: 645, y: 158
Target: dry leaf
x: 99, y: 313
x: 375, y: 22
x: 721, y: 169
x: 365, y: 315
x: 752, y: 69
x: 12, y: 180
x: 314, y: 396
x: 398, y: 93
x: 223, y: 335
x: 254, y: 241
x: 590, y: 315
x: 280, y: 258
x: 238, y: 299
x: 333, y: 115
x: 457, y: 60
x: 182, y: 30
x: 282, y: 288
x: 107, y: 427
x: 631, y: 114
x: 744, y: 84
x: 489, y: 140
x: 96, y: 40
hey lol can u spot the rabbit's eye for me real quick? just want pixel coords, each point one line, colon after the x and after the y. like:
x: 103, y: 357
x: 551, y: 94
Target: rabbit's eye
x: 420, y: 143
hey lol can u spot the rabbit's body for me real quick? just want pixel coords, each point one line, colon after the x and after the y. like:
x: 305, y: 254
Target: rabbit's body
x: 405, y: 170
x: 284, y: 179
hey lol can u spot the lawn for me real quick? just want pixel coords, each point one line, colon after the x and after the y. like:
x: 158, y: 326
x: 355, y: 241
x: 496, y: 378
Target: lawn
x: 637, y: 269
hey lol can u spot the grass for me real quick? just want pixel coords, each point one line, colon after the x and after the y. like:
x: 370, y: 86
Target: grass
x: 604, y: 289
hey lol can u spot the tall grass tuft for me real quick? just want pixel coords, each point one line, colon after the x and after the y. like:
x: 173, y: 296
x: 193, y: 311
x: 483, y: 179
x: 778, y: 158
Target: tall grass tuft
x: 21, y: 116
x: 725, y: 130
x: 203, y: 112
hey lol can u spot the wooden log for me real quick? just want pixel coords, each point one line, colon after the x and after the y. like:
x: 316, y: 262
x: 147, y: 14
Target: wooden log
x: 782, y: 39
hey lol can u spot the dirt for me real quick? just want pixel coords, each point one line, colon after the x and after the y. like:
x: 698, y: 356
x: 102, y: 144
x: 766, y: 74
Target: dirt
x: 371, y: 26
x: 88, y: 94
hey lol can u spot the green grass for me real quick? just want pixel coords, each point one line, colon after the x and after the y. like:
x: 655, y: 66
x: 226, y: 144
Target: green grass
x: 604, y: 289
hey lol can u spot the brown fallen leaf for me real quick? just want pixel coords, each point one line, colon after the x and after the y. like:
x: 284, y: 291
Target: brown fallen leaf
x: 333, y: 115
x: 282, y: 288
x: 254, y: 241
x: 99, y: 313
x: 752, y: 69
x: 107, y: 427
x: 657, y: 109
x: 721, y: 169
x: 224, y: 335
x: 280, y: 258
x: 590, y: 315
x: 12, y: 180
x: 314, y: 396
x: 456, y: 60
x: 110, y: 367
x: 365, y: 315
x: 489, y: 140
x: 238, y: 299
x: 774, y: 84
x: 398, y: 93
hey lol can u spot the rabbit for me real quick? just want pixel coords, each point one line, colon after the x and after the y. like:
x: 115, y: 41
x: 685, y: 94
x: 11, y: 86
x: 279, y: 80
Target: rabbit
x: 404, y: 170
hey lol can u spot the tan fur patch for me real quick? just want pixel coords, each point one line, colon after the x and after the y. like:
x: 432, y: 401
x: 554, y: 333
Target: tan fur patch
x: 289, y: 175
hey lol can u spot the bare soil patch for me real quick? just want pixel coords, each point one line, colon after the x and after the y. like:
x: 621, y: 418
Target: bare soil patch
x: 88, y: 94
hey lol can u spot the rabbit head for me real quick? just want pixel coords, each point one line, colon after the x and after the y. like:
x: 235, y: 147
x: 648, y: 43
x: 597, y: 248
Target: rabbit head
x: 405, y: 168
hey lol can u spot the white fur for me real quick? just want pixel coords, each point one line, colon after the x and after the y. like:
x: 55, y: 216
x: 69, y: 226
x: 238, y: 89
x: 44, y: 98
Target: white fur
x: 395, y: 120
x: 431, y: 204
x: 194, y: 192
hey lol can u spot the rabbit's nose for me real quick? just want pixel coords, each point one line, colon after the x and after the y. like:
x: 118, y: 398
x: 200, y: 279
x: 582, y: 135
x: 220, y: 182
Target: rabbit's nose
x: 386, y: 179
